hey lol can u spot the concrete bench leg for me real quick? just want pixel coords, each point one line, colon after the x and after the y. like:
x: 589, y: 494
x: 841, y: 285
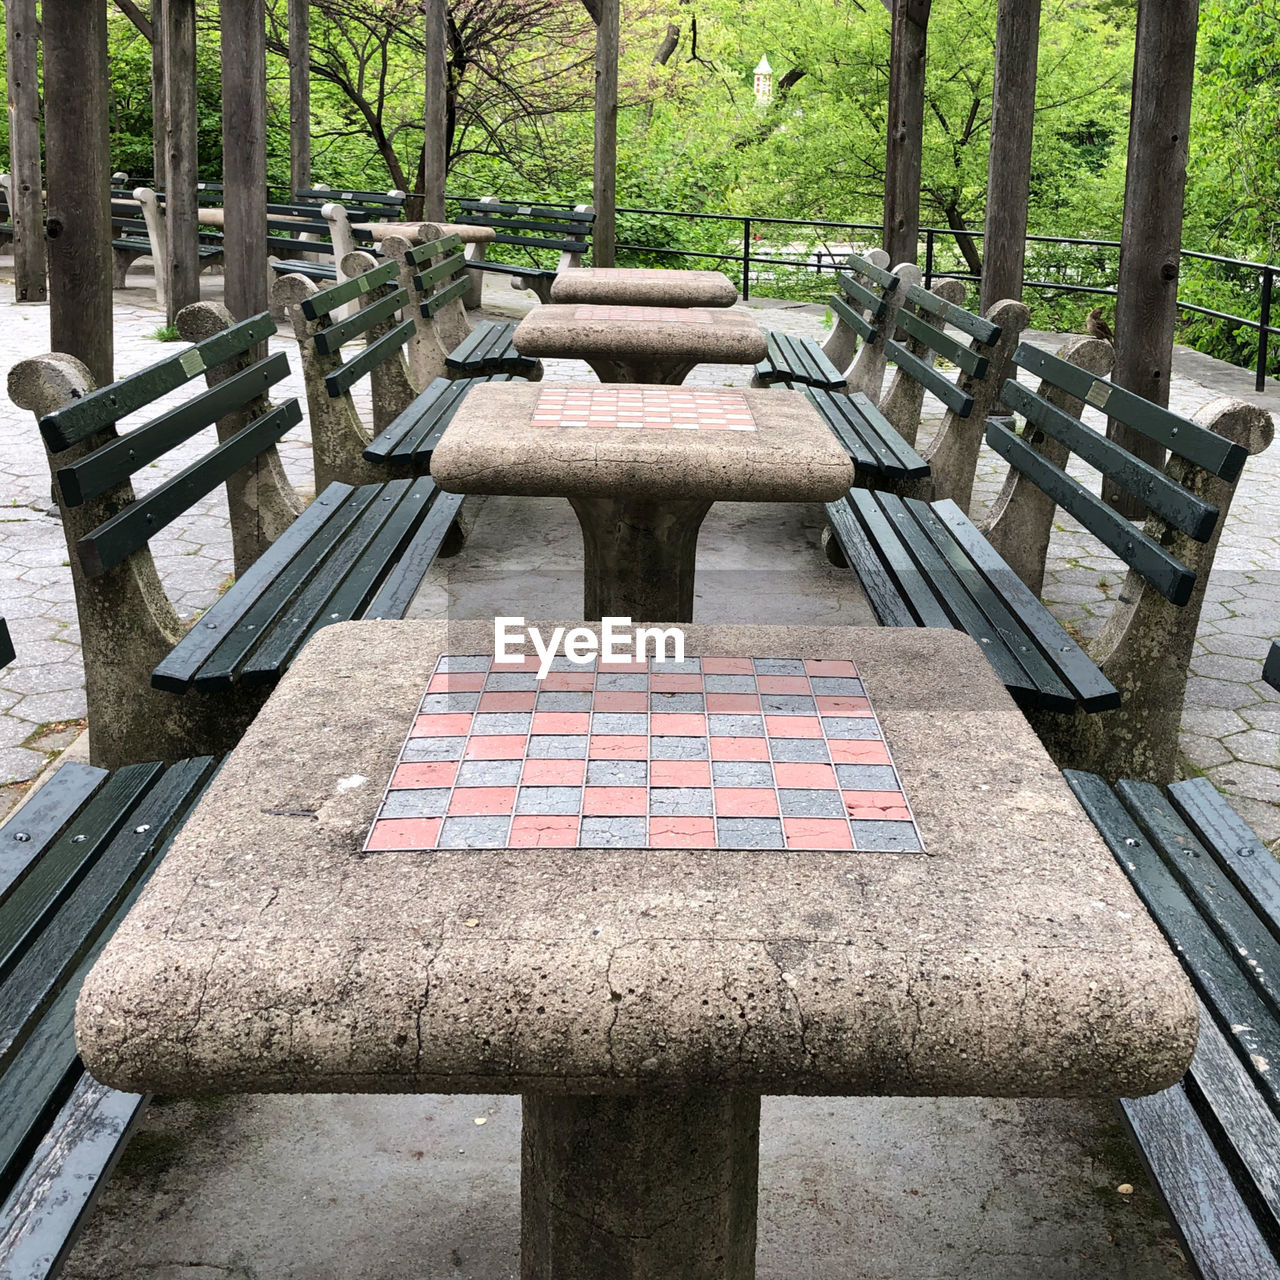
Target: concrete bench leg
x: 121, y: 261
x: 647, y: 1188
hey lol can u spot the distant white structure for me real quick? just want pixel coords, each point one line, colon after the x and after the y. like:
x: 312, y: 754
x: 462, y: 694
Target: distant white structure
x: 764, y: 83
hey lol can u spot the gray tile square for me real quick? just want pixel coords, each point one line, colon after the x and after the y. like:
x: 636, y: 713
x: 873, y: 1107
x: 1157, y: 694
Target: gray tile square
x: 500, y: 722
x: 511, y: 681
x: 558, y: 746
x: 666, y: 702
x: 799, y: 750
x: 742, y: 773
x: 867, y: 777
x: 850, y: 727
x: 887, y: 836
x: 749, y: 833
x: 463, y: 662
x: 563, y: 663
x: 788, y: 704
x: 836, y: 686
x: 563, y: 702
x: 810, y: 802
x: 415, y: 803
x: 554, y: 800
x: 678, y: 749
x: 441, y: 703
x: 680, y: 802
x: 416, y: 750
x: 779, y: 666
x: 620, y: 722
x: 617, y: 773
x: 485, y: 832
x: 623, y: 681
x: 689, y: 667
x: 488, y: 773
x: 730, y: 684
x: 721, y: 726
x: 626, y: 833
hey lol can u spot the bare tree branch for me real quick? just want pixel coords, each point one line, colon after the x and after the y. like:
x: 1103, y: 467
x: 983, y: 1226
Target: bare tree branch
x: 138, y: 18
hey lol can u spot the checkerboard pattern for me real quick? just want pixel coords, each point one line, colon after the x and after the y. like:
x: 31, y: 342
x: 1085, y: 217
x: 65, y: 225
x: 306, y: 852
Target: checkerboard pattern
x: 654, y: 315
x: 736, y: 753
x: 657, y: 408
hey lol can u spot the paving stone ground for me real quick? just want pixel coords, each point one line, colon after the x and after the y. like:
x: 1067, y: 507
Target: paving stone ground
x: 1231, y: 725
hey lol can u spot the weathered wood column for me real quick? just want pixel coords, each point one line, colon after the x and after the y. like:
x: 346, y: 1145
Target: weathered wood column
x: 435, y: 106
x: 182, y: 211
x: 78, y: 174
x: 906, y: 130
x: 605, y: 171
x: 22, y: 35
x: 1151, y: 239
x: 1004, y: 246
x: 299, y: 95
x: 244, y: 155
x: 159, y: 99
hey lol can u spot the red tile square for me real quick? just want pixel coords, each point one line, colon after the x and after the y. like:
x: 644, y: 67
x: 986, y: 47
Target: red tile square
x: 561, y: 722
x: 445, y: 725
x: 876, y: 804
x: 533, y: 830
x: 739, y: 749
x: 746, y: 802
x: 482, y: 800
x: 830, y: 667
x: 569, y: 681
x: 783, y: 684
x: 679, y: 773
x: 793, y: 726
x: 620, y: 700
x: 456, y: 682
x: 682, y: 833
x: 817, y: 833
x: 669, y: 683
x: 677, y: 724
x: 606, y: 746
x: 727, y: 667
x: 427, y: 773
x: 730, y: 704
x: 843, y: 706
x: 858, y: 751
x: 404, y: 833
x: 805, y: 775
x: 553, y: 773
x: 616, y: 802
x: 507, y: 746
x: 503, y: 701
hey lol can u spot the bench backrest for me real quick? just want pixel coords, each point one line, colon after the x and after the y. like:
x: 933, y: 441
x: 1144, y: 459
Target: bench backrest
x: 530, y: 226
x: 434, y: 275
x: 364, y: 206
x: 867, y: 304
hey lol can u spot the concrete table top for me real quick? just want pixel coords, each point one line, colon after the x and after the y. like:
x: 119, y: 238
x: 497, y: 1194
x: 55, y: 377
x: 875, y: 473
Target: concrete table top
x: 641, y: 344
x: 421, y: 232
x: 642, y: 465
x: 644, y: 286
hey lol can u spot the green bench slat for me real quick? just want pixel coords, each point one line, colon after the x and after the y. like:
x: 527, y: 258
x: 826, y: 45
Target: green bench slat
x: 958, y: 401
x: 120, y: 458
x: 944, y: 344
x: 890, y: 608
x: 852, y: 317
x: 116, y: 539
x: 413, y: 434
x: 510, y: 269
x: 867, y: 435
x: 312, y: 270
x: 530, y: 210
x: 539, y: 242
x: 1179, y: 435
x: 1167, y: 499
x: 345, y: 377
x: 327, y: 301
x: 329, y: 341
x: 859, y: 266
x: 441, y: 271
x: 572, y: 232
x: 865, y: 298
x: 429, y: 306
x: 98, y: 409
x: 975, y: 326
x: 793, y: 360
x: 420, y: 253
x: 26, y: 836
x: 401, y: 585
x: 489, y: 348
x: 1168, y: 575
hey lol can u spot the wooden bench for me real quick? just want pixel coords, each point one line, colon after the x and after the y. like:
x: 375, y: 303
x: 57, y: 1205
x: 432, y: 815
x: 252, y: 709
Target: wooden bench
x: 1212, y: 1142
x: 531, y: 228
x: 1114, y: 707
x: 363, y: 206
x: 155, y: 693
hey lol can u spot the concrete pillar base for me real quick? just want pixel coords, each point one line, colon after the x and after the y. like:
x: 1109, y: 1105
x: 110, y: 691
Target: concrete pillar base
x: 639, y: 1188
x: 669, y: 372
x: 639, y: 557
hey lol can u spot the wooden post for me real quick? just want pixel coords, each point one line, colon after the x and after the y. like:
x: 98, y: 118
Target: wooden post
x: 435, y: 142
x: 244, y: 155
x: 159, y: 98
x: 25, y: 189
x: 78, y: 170
x: 604, y: 186
x: 299, y: 95
x: 1151, y: 237
x: 1004, y: 246
x: 182, y: 206
x: 906, y: 130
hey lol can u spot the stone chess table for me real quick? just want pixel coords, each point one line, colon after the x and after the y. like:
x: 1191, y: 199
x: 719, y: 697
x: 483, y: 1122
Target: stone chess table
x: 640, y: 999
x: 421, y: 232
x: 644, y: 286
x: 641, y: 466
x: 641, y: 344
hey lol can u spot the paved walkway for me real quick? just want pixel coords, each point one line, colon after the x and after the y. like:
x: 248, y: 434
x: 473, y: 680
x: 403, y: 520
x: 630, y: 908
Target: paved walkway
x: 1231, y: 723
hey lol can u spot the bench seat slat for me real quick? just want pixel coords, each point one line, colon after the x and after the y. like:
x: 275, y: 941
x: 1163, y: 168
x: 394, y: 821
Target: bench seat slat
x: 329, y: 300
x: 1166, y: 574
x: 330, y: 341
x: 312, y: 270
x: 510, y: 268
x: 905, y: 573
x: 347, y: 375
x: 441, y: 398
x: 864, y: 459
x: 951, y: 395
x: 797, y: 361
x: 401, y: 585
x: 490, y: 348
x: 891, y: 609
x: 43, y: 816
x: 878, y: 432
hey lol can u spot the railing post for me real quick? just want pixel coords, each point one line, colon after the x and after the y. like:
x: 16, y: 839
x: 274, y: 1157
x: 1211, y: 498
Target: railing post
x: 746, y: 259
x: 1260, y: 378
x: 928, y: 257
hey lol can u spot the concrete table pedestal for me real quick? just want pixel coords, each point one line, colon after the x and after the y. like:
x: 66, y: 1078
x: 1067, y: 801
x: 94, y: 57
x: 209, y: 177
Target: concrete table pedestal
x: 647, y: 1188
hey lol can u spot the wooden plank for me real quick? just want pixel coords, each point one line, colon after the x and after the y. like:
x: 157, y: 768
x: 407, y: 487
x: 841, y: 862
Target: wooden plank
x: 324, y: 303
x: 495, y: 210
x: 1168, y: 575
x: 435, y: 113
x: 378, y: 351
x: 890, y: 607
x: 299, y: 95
x: 120, y: 458
x: 909, y: 23
x: 859, y: 266
x: 441, y: 271
x: 1174, y: 504
x: 116, y: 539
x: 852, y: 317
x: 30, y: 831
x: 958, y: 401
x: 957, y: 317
x: 22, y: 47
x: 429, y: 306
x: 833, y: 414
x: 1187, y: 439
x: 879, y: 433
x: 401, y: 584
x: 915, y: 586
x: 181, y: 265
x: 330, y: 341
x: 865, y: 298
x: 420, y: 253
x: 432, y: 409
x: 605, y: 168
x: 944, y: 344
